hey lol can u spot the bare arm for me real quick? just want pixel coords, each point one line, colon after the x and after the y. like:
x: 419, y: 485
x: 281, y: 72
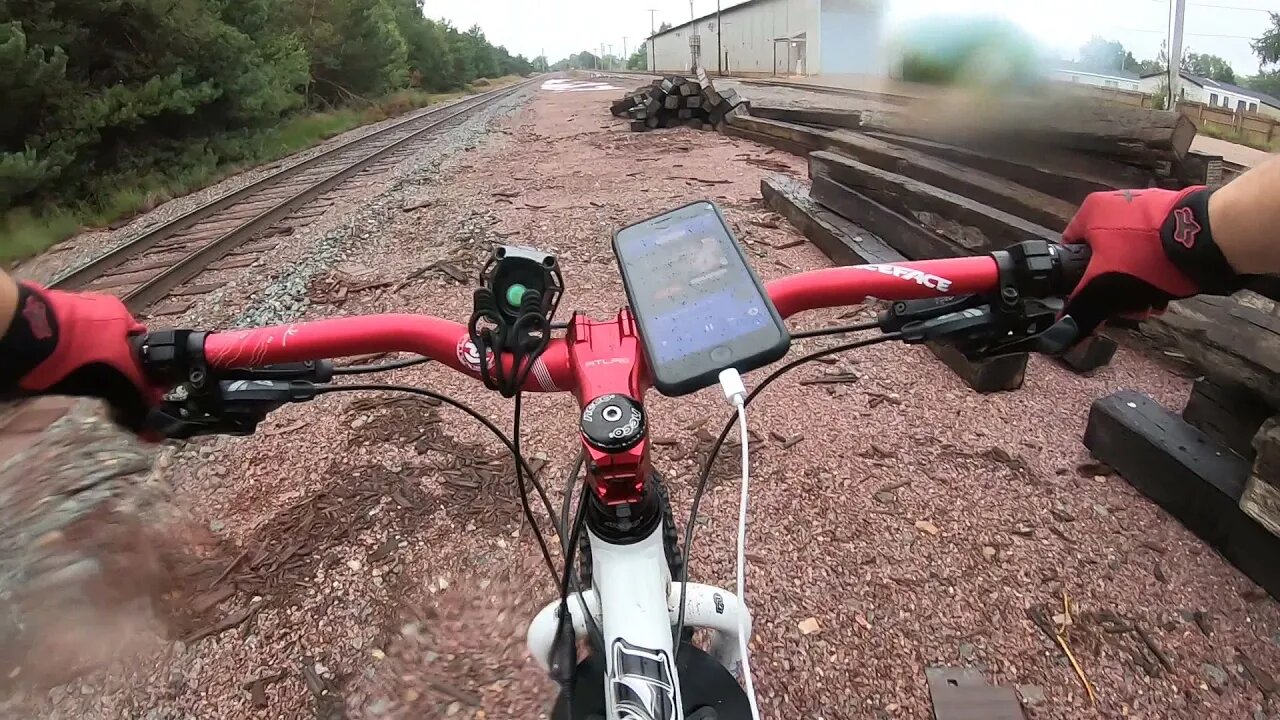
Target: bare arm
x: 8, y: 301
x: 1244, y: 217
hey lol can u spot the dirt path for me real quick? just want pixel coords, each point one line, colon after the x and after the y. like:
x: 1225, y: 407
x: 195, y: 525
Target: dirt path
x: 373, y: 551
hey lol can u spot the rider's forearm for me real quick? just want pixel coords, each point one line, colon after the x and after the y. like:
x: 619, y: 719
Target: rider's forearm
x: 8, y: 301
x: 1245, y: 218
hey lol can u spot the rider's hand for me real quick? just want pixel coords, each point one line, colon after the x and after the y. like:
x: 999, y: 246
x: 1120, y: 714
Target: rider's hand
x: 76, y: 344
x: 1149, y: 247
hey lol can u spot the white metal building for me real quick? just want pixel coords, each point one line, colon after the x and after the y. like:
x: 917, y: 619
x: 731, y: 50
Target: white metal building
x: 1067, y: 71
x: 779, y: 37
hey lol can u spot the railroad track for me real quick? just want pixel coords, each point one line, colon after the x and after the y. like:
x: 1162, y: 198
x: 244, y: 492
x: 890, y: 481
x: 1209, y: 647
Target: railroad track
x: 231, y: 231
x: 227, y: 233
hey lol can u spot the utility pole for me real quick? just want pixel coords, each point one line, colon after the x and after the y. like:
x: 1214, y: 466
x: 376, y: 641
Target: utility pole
x: 608, y: 57
x: 719, y: 46
x: 651, y: 44
x: 691, y: 15
x: 1177, y: 14
x: 625, y: 56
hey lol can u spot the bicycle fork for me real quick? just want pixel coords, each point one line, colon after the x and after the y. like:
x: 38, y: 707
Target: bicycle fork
x: 635, y: 604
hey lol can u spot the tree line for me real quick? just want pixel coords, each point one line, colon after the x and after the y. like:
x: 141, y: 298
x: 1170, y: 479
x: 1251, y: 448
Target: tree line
x: 110, y: 89
x: 1104, y: 55
x: 1109, y: 55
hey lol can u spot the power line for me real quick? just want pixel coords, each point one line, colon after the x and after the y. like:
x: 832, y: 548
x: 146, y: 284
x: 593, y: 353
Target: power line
x: 1206, y: 35
x: 1233, y: 7
x: 1223, y: 7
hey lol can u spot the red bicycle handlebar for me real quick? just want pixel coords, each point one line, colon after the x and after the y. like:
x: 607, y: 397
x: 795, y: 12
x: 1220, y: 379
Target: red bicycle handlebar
x: 448, y: 343
x: 853, y: 284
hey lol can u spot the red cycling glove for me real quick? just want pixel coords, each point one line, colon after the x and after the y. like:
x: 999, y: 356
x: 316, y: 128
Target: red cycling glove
x: 1149, y: 247
x: 76, y: 344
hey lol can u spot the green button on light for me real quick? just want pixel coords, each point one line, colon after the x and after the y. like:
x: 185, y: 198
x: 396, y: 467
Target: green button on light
x: 515, y: 294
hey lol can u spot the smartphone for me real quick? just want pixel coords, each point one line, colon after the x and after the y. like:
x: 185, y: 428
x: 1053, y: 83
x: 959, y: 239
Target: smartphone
x: 699, y: 306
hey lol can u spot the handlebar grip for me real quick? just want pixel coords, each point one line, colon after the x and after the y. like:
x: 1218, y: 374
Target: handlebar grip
x: 1073, y: 260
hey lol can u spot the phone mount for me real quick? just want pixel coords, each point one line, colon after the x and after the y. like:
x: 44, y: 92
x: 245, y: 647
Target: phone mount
x: 511, y: 313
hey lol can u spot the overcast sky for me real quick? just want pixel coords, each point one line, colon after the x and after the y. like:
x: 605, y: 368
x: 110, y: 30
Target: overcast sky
x: 562, y: 27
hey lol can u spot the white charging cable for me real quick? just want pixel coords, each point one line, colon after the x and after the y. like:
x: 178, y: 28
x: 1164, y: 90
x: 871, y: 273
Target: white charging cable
x: 736, y: 393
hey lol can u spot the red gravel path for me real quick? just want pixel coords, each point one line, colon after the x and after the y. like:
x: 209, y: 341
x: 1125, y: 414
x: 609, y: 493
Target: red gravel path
x: 437, y: 629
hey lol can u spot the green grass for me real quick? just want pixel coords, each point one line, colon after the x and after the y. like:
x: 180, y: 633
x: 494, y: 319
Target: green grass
x: 25, y: 232
x: 1238, y: 137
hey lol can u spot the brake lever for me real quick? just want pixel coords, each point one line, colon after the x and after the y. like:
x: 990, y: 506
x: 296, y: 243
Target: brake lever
x: 236, y: 407
x: 318, y: 371
x: 904, y: 313
x: 981, y: 330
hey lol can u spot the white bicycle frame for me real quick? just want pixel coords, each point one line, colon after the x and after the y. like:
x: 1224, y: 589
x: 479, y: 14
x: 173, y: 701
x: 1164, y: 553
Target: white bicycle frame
x: 636, y: 605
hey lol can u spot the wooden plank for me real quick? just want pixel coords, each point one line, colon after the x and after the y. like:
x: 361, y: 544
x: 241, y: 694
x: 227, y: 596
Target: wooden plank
x: 903, y: 234
x: 985, y: 376
x: 1199, y: 168
x: 1261, y: 498
x: 198, y: 289
x: 970, y: 225
x: 233, y: 263
x: 847, y: 243
x: 170, y: 307
x: 1069, y: 185
x: 1089, y: 355
x: 1230, y: 414
x: 1187, y: 474
x: 1001, y: 194
x: 830, y: 117
x: 775, y: 142
x: 1138, y: 135
x: 620, y: 107
x: 838, y: 238
x: 809, y: 138
x: 1231, y: 342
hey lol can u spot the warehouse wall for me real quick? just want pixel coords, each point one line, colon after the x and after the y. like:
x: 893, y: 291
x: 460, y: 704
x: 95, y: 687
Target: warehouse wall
x: 747, y: 41
x: 852, y: 37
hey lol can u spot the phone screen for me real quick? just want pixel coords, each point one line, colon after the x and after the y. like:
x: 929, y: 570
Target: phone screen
x: 699, y: 306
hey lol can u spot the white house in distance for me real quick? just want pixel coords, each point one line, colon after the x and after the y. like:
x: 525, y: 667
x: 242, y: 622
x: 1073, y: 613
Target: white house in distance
x: 1068, y: 71
x: 1217, y: 94
x: 779, y: 37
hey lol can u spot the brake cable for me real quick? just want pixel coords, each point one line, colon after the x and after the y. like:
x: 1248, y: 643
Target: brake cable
x: 381, y: 367
x: 521, y: 463
x: 715, y: 449
x: 835, y: 330
x: 572, y: 538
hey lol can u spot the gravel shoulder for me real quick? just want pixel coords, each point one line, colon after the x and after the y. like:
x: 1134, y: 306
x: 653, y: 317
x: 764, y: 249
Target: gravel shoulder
x: 83, y: 247
x: 915, y: 522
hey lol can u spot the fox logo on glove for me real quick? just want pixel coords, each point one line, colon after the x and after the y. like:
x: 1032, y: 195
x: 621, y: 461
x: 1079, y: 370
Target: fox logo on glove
x: 1185, y: 228
x: 37, y: 315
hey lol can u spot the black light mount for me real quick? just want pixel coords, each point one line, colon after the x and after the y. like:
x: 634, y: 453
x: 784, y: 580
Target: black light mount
x: 513, y: 270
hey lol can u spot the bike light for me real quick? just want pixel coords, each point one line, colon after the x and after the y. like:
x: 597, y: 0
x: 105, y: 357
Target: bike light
x: 515, y: 294
x: 513, y: 272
